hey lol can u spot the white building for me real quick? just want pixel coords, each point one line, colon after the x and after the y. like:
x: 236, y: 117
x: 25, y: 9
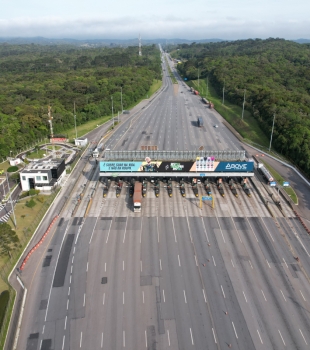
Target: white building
x: 43, y: 175
x: 15, y: 161
x: 81, y: 142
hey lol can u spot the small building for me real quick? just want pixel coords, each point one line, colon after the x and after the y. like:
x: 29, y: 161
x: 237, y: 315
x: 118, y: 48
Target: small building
x: 81, y: 142
x: 43, y: 175
x: 15, y: 161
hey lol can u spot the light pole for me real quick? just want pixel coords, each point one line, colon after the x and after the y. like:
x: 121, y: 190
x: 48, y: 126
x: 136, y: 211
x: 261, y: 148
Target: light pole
x: 207, y: 86
x: 198, y: 77
x: 11, y: 199
x: 112, y: 110
x: 10, y: 154
x: 223, y: 93
x: 122, y: 99
x: 75, y: 122
x: 274, y: 116
x: 243, y: 105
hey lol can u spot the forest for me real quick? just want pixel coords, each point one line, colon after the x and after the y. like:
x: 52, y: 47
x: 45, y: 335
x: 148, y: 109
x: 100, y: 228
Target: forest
x: 34, y: 76
x: 275, y: 76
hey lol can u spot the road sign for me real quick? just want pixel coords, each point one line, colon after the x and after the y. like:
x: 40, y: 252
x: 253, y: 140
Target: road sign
x: 272, y: 184
x: 206, y: 198
x: 185, y: 79
x: 202, y: 174
x: 286, y: 184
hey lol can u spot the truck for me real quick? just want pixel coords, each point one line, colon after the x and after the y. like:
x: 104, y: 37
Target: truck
x: 208, y: 188
x: 195, y: 187
x: 244, y: 184
x: 220, y: 186
x: 265, y: 172
x: 157, y: 187
x: 119, y: 186
x: 182, y: 188
x: 137, y: 197
x: 95, y: 153
x: 200, y: 122
x: 233, y: 187
x: 144, y: 188
x: 169, y: 188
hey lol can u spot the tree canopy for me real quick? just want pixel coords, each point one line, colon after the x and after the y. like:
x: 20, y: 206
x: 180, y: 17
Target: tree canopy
x: 276, y: 76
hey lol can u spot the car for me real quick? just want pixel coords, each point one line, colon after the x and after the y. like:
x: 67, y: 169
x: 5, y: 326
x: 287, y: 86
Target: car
x: 216, y: 126
x: 198, y: 181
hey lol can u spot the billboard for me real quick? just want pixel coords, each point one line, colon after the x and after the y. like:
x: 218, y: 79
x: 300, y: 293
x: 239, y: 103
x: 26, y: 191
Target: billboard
x: 202, y: 164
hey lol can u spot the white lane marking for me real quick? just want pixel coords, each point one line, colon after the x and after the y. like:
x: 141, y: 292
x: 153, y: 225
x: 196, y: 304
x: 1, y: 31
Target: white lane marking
x: 220, y: 228
x: 103, y: 298
x: 63, y: 342
x: 123, y: 298
x: 81, y: 339
x: 213, y: 261
x: 105, y: 267
x: 281, y: 337
x: 303, y: 336
x: 101, y: 339
x: 109, y: 232
x: 235, y: 330
x: 123, y: 265
x: 250, y: 264
x: 143, y: 296
x: 141, y: 265
x: 232, y: 263
x: 157, y: 231
x: 87, y: 267
x: 264, y: 295
x: 175, y: 237
x: 204, y: 295
x: 43, y: 329
x: 140, y: 236
x: 285, y: 263
x: 67, y: 304
x: 214, y: 336
x: 268, y: 230
x: 70, y: 279
x: 74, y: 250
x: 84, y: 300
x: 164, y: 296
x: 191, y: 336
x: 65, y: 327
x: 206, y: 233
x: 145, y: 339
x: 196, y: 260
x: 268, y: 263
x: 160, y: 264
x: 223, y: 291
x: 168, y: 337
x: 179, y: 260
x: 244, y: 296
x: 302, y: 295
x: 69, y: 291
x: 123, y: 338
x: 72, y: 259
x: 71, y: 268
x: 184, y: 296
x: 282, y: 294
x: 259, y: 337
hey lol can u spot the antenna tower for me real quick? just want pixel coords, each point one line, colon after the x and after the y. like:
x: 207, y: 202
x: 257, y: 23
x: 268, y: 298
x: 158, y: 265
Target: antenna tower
x: 140, y: 51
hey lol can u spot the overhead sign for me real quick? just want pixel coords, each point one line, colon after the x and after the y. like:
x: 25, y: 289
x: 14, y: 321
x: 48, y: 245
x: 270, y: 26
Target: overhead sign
x: 272, y: 183
x: 206, y: 198
x: 286, y: 184
x: 235, y: 166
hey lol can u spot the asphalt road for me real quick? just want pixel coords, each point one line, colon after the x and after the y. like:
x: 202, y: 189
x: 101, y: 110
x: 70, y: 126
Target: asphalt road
x: 173, y: 276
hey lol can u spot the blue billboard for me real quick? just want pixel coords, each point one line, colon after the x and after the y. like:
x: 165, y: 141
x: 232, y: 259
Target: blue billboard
x: 235, y: 166
x: 120, y: 166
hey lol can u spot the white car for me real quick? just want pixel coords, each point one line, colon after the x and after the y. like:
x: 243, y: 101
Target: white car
x: 216, y: 126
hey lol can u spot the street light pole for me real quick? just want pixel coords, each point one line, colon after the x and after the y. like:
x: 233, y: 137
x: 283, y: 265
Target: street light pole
x: 11, y: 199
x: 122, y: 99
x: 243, y: 104
x: 112, y: 111
x: 223, y: 93
x: 274, y: 116
x: 75, y: 122
x: 207, y: 86
x: 198, y: 77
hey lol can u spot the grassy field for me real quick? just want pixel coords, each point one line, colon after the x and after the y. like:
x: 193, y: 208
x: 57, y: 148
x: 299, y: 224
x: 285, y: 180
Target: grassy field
x: 248, y: 128
x: 37, y: 154
x: 5, y: 165
x: 50, y: 147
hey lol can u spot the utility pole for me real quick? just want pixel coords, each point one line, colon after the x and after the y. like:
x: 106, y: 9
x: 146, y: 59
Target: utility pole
x: 207, y: 86
x: 75, y: 122
x: 11, y: 199
x: 243, y: 104
x: 274, y: 116
x: 122, y: 99
x: 112, y: 111
x: 223, y: 92
x: 118, y: 118
x: 198, y: 77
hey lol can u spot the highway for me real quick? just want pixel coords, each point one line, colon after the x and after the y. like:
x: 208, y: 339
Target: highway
x: 173, y: 276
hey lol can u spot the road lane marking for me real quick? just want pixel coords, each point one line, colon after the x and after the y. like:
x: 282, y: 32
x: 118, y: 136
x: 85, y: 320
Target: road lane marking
x: 70, y: 279
x: 164, y: 296
x: 250, y: 264
x: 196, y: 260
x: 259, y: 337
x: 232, y: 263
x: 103, y: 298
x: 141, y: 265
x: 223, y: 291
x: 87, y: 267
x: 123, y: 338
x: 302, y: 295
x: 206, y: 233
x: 267, y: 230
x: 84, y: 300
x: 175, y: 237
x: 81, y: 339
x: 268, y: 263
x: 282, y: 294
x: 72, y: 259
x: 168, y: 337
x: 285, y: 263
x: 281, y: 337
x: 123, y: 298
x: 191, y: 336
x: 143, y: 296
x: 145, y: 338
x: 264, y: 295
x: 213, y: 261
x: 244, y: 296
x: 105, y: 267
x: 74, y: 250
x: 179, y: 260
x: 63, y: 342
x: 184, y: 296
x: 157, y: 231
x: 71, y: 268
x: 67, y: 304
x: 65, y: 327
x: 109, y: 232
x: 69, y: 291
x: 101, y: 339
x: 303, y: 336
x: 204, y: 295
x: 160, y: 264
x: 214, y: 336
x: 123, y: 265
x: 235, y: 330
x: 43, y: 329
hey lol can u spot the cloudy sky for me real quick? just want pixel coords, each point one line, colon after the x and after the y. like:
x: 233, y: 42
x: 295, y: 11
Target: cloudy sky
x: 186, y: 19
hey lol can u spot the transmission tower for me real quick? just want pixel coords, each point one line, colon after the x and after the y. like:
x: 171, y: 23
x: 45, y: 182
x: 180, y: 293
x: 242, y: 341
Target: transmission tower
x: 140, y: 51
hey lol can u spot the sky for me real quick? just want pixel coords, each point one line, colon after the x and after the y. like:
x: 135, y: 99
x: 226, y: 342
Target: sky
x: 170, y: 19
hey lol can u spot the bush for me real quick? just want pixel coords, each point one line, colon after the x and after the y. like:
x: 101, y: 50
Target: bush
x: 24, y: 194
x: 12, y: 169
x: 40, y: 199
x: 4, y: 300
x: 33, y: 192
x: 31, y: 203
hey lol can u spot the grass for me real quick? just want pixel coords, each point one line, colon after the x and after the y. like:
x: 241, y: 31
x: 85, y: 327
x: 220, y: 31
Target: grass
x: 248, y: 128
x: 37, y: 154
x: 8, y: 311
x: 4, y: 300
x: 279, y: 179
x: 53, y: 147
x: 4, y: 166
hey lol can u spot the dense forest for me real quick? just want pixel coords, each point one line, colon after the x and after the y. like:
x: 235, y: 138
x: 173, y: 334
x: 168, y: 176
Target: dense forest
x: 276, y: 76
x: 34, y: 76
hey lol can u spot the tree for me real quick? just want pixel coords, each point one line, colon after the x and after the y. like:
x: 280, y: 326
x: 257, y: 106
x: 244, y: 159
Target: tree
x: 8, y: 239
